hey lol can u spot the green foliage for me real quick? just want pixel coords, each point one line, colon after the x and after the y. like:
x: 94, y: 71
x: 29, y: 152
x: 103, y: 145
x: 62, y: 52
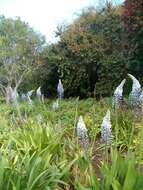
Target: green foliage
x: 89, y: 55
x: 45, y: 154
x: 20, y: 48
x: 133, y: 14
x: 92, y: 56
x: 122, y: 175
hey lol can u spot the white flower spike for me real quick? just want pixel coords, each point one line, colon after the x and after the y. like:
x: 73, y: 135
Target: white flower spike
x: 29, y: 100
x: 141, y: 100
x: 118, y: 95
x: 106, y: 133
x: 38, y: 93
x: 82, y: 132
x: 60, y: 90
x: 135, y: 92
x: 55, y: 105
x: 23, y: 96
x: 29, y: 93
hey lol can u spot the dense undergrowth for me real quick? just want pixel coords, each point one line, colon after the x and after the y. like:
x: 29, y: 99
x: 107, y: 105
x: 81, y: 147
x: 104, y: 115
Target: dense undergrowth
x: 39, y: 148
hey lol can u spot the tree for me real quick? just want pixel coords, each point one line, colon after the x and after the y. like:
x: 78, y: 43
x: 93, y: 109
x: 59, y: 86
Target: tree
x: 133, y: 22
x: 48, y: 69
x: 20, y: 48
x: 91, y: 51
x: 89, y: 57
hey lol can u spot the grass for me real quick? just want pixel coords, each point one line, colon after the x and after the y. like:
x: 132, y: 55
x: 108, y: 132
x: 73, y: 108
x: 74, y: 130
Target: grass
x: 39, y: 149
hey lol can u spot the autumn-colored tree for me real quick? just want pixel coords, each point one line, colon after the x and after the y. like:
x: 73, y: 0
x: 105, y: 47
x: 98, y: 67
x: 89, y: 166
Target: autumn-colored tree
x: 89, y: 57
x: 91, y: 52
x: 133, y: 22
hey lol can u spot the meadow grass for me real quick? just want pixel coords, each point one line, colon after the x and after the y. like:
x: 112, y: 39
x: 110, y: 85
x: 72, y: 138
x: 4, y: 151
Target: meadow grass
x: 39, y: 148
